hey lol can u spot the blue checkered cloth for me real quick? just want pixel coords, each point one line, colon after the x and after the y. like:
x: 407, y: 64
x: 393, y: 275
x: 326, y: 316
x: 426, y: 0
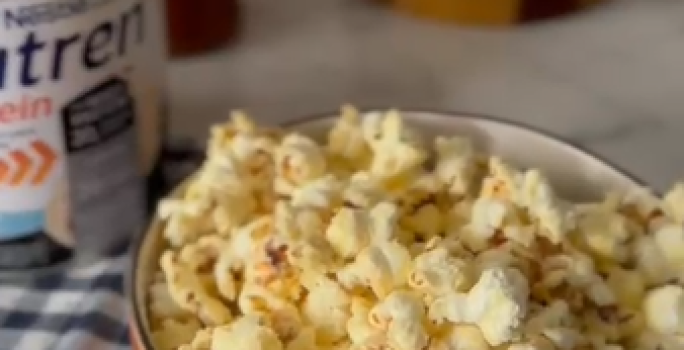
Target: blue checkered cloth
x: 74, y: 309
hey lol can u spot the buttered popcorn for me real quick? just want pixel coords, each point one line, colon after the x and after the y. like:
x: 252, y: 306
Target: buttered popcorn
x: 378, y: 240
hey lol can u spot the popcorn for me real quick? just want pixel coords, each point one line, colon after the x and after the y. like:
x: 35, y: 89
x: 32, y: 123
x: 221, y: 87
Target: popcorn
x: 664, y: 309
x: 670, y: 240
x: 247, y: 332
x: 628, y: 286
x: 673, y: 203
x: 555, y: 315
x: 452, y: 307
x: 503, y: 182
x: 651, y: 261
x: 488, y: 215
x: 162, y: 304
x: 298, y: 160
x: 498, y: 304
x: 345, y: 139
x: 305, y: 340
x: 321, y: 193
x: 184, y: 222
x: 175, y: 333
x: 382, y: 266
x: 394, y: 147
x: 227, y: 216
x: 359, y: 327
x: 246, y: 241
x: 201, y: 341
x: 370, y: 241
x: 552, y: 215
x: 427, y: 221
x: 188, y: 292
x: 401, y: 316
x: 462, y: 337
x: 652, y: 341
x: 326, y: 309
x: 349, y: 232
x: 537, y: 343
x: 436, y: 273
x: 455, y: 163
x: 384, y: 219
x: 563, y: 338
x: 362, y: 191
x: 605, y: 234
x: 281, y: 314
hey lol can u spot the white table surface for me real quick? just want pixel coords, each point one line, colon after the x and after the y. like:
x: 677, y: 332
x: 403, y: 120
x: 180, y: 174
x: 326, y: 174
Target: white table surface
x: 611, y: 79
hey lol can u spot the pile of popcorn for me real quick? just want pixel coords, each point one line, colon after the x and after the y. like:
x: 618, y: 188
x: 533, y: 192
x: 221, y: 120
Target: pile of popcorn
x: 376, y: 239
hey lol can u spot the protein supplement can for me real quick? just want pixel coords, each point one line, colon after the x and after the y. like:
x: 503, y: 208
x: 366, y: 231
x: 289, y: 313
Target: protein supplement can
x: 82, y: 87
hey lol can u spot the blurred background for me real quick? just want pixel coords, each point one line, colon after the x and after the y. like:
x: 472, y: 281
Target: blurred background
x: 606, y: 74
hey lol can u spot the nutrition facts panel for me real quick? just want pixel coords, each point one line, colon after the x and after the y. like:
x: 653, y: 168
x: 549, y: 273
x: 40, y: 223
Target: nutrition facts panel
x: 100, y: 141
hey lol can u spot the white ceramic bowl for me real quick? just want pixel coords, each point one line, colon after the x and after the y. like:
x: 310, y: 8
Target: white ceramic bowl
x: 575, y: 172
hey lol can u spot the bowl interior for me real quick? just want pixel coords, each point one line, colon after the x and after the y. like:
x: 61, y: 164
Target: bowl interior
x: 575, y: 173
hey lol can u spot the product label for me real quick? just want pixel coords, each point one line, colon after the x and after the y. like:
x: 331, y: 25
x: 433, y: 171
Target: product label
x: 80, y: 94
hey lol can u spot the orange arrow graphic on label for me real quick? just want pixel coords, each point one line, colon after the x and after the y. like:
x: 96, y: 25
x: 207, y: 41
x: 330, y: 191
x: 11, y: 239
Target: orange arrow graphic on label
x: 48, y: 158
x: 4, y: 171
x: 23, y: 163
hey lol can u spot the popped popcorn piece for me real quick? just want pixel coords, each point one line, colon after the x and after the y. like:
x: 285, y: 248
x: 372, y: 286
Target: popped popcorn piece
x: 605, y: 234
x: 322, y: 193
x: 281, y: 314
x: 437, y: 273
x: 649, y: 340
x: 452, y: 307
x: 498, y: 304
x: 305, y: 340
x: 488, y: 216
x: 536, y: 343
x: 553, y: 215
x: 188, y: 292
x: 555, y: 315
x: 345, y: 139
x: 382, y: 266
x: 563, y: 338
x: 349, y: 232
x: 628, y: 286
x: 401, y: 315
x: 426, y: 221
x: 639, y: 202
x: 246, y: 242
x: 455, y: 163
x: 246, y: 332
x: 359, y: 327
x: 384, y: 219
x: 460, y: 337
x: 184, y: 222
x: 173, y: 334
x: 201, y: 341
x: 664, y: 309
x: 503, y: 182
x: 326, y: 308
x: 673, y: 203
x: 363, y: 190
x: 395, y: 149
x: 651, y: 261
x: 162, y: 304
x: 670, y: 239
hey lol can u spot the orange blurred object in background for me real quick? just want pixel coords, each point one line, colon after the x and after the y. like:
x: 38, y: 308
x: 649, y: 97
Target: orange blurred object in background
x: 488, y: 12
x: 200, y: 26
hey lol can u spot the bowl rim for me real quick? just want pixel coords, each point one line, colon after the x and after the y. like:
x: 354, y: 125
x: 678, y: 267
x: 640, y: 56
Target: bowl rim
x: 135, y: 310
